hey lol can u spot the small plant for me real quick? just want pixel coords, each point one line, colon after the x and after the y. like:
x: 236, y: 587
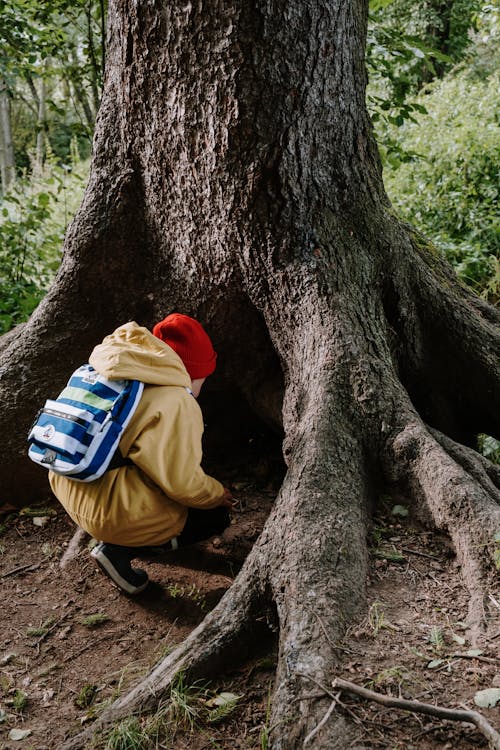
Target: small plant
x: 19, y: 700
x: 6, y: 683
x: 397, y: 675
x: 376, y: 618
x: 192, y: 592
x: 175, y: 591
x: 42, y: 629
x: 490, y: 448
x: 391, y: 554
x: 127, y: 735
x: 86, y: 696
x: 95, y: 620
x: 264, y: 735
x: 50, y: 551
x: 496, y: 553
x: 185, y: 700
x: 221, y: 706
x: 436, y: 638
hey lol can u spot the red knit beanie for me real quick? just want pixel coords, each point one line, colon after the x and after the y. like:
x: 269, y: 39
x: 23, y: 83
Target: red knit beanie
x: 187, y: 337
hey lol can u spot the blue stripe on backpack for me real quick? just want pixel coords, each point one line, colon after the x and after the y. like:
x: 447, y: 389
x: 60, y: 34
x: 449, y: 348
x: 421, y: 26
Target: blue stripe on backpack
x: 77, y: 434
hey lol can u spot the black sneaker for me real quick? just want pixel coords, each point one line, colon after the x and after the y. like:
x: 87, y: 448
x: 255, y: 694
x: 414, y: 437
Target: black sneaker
x: 114, y: 561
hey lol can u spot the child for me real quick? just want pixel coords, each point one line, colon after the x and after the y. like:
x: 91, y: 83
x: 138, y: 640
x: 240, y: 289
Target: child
x: 159, y: 496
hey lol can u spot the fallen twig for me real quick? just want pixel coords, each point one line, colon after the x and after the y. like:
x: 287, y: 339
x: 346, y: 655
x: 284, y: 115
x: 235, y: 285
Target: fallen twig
x: 323, y: 721
x: 472, y: 717
x: 91, y: 644
x: 420, y: 554
x: 21, y: 569
x: 485, y: 659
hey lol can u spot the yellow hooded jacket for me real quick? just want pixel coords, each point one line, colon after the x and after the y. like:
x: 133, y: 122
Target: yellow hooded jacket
x: 145, y: 503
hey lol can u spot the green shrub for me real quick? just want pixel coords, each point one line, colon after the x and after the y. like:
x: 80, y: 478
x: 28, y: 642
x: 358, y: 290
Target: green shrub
x: 451, y: 191
x: 33, y: 220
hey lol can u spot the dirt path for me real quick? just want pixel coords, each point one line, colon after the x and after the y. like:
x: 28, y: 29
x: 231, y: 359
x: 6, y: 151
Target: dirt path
x: 69, y: 641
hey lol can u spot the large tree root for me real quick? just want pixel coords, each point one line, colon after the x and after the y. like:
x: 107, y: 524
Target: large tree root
x: 311, y: 565
x: 462, y: 501
x: 222, y: 632
x: 310, y: 561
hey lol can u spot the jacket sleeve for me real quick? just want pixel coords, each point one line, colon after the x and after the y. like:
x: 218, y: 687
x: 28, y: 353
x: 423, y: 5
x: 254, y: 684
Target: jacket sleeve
x: 168, y: 451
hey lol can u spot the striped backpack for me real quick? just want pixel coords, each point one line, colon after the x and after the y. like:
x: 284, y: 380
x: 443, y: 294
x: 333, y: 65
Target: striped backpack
x: 77, y: 434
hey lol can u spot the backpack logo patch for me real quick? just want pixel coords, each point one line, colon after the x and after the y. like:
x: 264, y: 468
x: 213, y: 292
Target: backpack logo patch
x: 48, y: 432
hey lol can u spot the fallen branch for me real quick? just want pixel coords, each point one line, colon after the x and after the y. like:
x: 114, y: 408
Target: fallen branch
x: 472, y: 717
x: 323, y: 721
x: 485, y: 659
x: 21, y: 569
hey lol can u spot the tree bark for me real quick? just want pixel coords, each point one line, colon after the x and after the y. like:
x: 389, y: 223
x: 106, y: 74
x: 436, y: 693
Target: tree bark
x: 41, y: 124
x: 74, y: 82
x: 235, y: 178
x: 7, y: 160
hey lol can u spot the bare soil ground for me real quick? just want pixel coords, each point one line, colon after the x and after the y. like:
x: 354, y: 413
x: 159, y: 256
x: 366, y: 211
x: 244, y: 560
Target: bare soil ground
x: 70, y: 642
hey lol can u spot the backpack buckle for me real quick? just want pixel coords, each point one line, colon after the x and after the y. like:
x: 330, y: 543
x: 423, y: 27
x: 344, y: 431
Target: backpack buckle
x: 49, y: 456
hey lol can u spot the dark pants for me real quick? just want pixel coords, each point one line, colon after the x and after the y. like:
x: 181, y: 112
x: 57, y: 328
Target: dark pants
x: 202, y: 524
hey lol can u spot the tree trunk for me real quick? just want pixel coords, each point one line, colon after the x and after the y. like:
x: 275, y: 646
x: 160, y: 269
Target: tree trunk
x: 7, y: 159
x: 80, y: 93
x: 41, y: 125
x: 235, y: 178
x: 95, y: 73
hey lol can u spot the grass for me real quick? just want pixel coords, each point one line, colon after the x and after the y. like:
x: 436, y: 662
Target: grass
x: 192, y: 593
x: 86, y: 696
x: 95, y: 620
x: 127, y: 735
x: 264, y: 735
x: 185, y: 700
x: 436, y: 638
x: 188, y: 708
x: 42, y: 629
x: 376, y: 618
x: 19, y: 700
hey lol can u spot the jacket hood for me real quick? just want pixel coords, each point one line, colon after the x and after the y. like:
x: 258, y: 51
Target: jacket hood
x: 133, y: 353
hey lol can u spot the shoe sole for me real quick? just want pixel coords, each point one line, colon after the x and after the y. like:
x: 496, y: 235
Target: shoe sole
x: 108, y: 569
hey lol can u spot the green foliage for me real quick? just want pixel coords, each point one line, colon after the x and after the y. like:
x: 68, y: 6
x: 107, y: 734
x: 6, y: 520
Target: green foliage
x: 127, y: 735
x: 490, y: 448
x: 95, y: 620
x: 451, y: 192
x: 51, y: 62
x: 33, y: 219
x: 20, y: 700
x: 408, y: 45
x: 86, y: 696
x: 189, y: 707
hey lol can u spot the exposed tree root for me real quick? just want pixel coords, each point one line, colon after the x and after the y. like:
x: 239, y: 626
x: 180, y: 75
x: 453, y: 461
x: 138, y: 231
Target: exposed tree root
x: 73, y: 548
x: 462, y: 503
x: 222, y: 635
x: 311, y: 565
x: 484, y: 472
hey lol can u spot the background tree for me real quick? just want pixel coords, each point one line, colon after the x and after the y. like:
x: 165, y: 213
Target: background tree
x: 51, y: 55
x: 441, y: 172
x: 235, y: 177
